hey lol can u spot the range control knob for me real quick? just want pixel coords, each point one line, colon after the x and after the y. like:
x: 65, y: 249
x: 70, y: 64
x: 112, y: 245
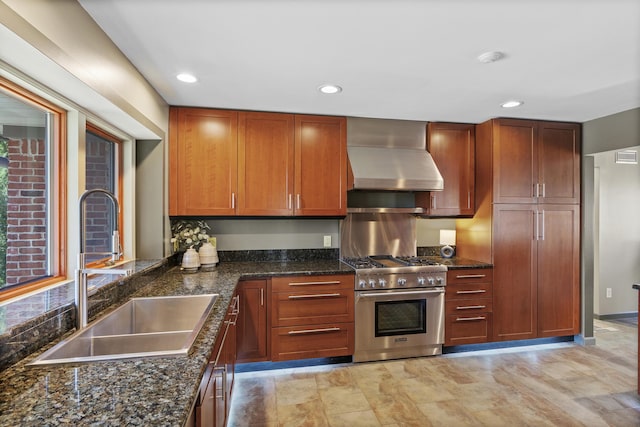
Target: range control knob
x: 362, y: 283
x: 431, y: 281
x: 382, y: 283
x: 372, y: 283
x: 439, y: 280
x: 420, y: 281
x: 402, y: 282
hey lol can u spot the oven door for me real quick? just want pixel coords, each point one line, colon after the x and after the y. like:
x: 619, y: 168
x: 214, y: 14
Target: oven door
x: 393, y: 324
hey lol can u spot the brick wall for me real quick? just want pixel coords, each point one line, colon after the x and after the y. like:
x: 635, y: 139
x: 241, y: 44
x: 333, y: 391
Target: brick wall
x: 26, y: 211
x: 99, y: 174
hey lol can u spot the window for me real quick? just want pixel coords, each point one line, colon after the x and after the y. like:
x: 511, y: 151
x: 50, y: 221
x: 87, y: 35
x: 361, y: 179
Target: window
x: 32, y: 200
x: 102, y: 159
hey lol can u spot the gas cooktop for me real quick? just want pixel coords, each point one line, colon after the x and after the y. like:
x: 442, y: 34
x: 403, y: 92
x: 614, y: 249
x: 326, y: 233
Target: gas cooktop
x: 394, y: 264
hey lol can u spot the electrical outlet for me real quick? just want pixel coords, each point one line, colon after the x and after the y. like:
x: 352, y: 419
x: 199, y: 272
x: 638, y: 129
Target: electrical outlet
x: 327, y: 241
x: 608, y: 292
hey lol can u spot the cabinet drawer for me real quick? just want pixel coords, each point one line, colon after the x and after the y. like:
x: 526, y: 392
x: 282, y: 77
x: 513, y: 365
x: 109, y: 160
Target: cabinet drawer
x: 467, y: 328
x: 311, y: 341
x: 311, y: 283
x: 312, y: 308
x: 469, y: 306
x: 468, y: 291
x: 471, y: 275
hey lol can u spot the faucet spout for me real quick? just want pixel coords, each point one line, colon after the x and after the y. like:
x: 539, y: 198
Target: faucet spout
x: 82, y: 273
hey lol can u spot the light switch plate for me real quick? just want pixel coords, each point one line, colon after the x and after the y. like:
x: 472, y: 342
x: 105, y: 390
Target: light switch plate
x: 327, y: 241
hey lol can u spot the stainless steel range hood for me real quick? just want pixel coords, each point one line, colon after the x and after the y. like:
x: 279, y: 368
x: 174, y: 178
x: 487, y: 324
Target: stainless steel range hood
x: 391, y: 155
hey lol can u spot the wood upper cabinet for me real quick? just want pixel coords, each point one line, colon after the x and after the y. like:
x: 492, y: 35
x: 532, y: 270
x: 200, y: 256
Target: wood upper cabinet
x: 202, y: 161
x: 256, y: 164
x: 265, y: 164
x: 452, y: 146
x: 320, y: 186
x: 536, y: 271
x: 535, y: 162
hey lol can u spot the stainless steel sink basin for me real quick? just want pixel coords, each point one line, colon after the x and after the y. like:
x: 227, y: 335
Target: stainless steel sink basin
x: 142, y: 327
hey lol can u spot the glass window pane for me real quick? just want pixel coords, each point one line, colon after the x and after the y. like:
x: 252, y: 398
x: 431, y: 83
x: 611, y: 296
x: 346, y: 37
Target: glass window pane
x: 100, y: 173
x: 24, y: 192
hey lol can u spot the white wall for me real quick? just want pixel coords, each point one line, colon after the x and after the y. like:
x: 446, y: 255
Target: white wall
x: 617, y: 241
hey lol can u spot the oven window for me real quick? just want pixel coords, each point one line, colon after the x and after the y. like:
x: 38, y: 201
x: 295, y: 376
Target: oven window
x: 401, y: 317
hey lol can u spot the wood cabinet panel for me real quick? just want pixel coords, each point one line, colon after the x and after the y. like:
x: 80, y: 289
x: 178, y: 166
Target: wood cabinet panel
x: 301, y: 342
x: 468, y: 328
x: 558, y: 270
x: 203, y: 161
x: 468, y: 306
x: 320, y: 165
x: 305, y: 308
x: 452, y: 146
x: 515, y: 273
x: 265, y: 163
x: 312, y: 316
x: 515, y: 161
x: 252, y: 327
x: 312, y: 283
x: 559, y: 171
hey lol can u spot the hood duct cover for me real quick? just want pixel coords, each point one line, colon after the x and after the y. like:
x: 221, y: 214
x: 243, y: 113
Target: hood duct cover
x: 391, y: 155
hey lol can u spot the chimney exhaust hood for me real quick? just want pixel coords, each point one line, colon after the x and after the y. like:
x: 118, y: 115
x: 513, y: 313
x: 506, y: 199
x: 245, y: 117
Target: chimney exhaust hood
x: 391, y: 155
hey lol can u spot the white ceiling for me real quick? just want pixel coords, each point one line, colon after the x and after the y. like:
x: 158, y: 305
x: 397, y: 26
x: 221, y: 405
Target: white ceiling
x: 570, y: 60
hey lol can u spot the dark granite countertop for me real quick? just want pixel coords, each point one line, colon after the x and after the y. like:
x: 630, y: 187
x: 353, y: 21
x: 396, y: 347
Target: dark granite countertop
x: 137, y: 392
x: 636, y: 286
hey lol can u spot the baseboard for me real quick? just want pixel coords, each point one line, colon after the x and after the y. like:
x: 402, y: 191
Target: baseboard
x: 582, y: 340
x: 614, y: 316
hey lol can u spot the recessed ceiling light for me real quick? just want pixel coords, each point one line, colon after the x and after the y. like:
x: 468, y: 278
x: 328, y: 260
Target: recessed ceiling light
x: 187, y: 78
x: 330, y: 89
x: 512, y: 104
x: 489, y: 57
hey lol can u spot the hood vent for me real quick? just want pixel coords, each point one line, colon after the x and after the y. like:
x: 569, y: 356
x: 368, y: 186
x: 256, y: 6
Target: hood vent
x: 391, y: 155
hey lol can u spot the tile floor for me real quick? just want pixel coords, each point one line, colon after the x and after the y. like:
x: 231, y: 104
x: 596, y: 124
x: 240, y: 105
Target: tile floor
x: 561, y: 384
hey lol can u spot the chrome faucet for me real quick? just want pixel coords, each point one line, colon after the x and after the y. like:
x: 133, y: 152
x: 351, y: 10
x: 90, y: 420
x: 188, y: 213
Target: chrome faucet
x: 82, y: 272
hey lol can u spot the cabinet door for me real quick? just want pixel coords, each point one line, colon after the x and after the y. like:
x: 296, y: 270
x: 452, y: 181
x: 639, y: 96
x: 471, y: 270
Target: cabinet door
x: 320, y: 166
x: 559, y: 162
x: 514, y: 272
x: 202, y: 164
x: 265, y: 163
x: 558, y: 270
x: 515, y: 158
x: 252, y: 321
x: 452, y: 147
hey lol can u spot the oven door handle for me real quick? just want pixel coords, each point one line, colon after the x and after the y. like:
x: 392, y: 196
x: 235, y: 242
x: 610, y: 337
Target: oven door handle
x: 394, y: 293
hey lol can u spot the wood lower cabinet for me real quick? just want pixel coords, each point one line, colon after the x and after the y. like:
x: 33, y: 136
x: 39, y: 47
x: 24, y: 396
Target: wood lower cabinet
x: 312, y: 316
x: 536, y: 271
x: 252, y: 327
x: 214, y: 401
x: 468, y: 306
x: 452, y: 146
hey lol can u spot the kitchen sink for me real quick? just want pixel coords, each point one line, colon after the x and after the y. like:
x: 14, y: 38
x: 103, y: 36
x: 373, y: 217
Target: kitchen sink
x: 142, y: 327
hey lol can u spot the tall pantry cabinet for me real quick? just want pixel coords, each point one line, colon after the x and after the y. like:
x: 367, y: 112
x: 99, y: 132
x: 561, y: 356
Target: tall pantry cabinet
x: 527, y: 224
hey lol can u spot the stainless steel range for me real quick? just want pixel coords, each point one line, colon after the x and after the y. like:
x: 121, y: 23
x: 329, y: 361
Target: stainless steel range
x: 399, y: 307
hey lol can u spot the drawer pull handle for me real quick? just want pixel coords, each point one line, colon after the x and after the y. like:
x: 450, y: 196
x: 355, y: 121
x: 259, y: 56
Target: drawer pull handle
x: 313, y: 331
x: 331, y: 282
x: 314, y: 296
x: 470, y: 307
x: 471, y: 276
x: 479, y: 291
x: 466, y: 319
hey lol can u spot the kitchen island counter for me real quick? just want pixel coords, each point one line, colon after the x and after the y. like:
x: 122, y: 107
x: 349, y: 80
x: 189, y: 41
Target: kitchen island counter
x: 137, y: 392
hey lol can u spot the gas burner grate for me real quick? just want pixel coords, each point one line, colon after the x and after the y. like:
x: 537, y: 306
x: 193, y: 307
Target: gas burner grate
x: 361, y: 263
x: 416, y: 261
